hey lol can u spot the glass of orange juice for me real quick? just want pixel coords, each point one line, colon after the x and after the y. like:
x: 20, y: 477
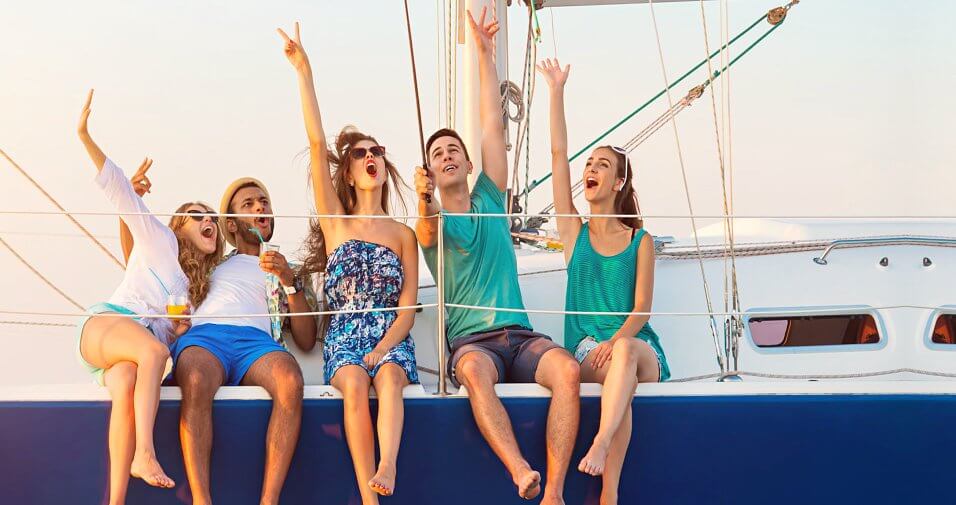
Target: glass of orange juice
x: 176, y: 305
x: 265, y: 247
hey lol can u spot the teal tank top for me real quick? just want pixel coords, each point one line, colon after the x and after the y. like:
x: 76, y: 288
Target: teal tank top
x: 598, y: 283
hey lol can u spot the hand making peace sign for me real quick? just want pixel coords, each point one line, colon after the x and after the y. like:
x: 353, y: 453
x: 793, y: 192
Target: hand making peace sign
x: 141, y: 183
x: 293, y: 49
x: 484, y: 33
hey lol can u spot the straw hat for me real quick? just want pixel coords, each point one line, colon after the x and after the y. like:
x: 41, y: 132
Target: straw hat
x: 231, y: 192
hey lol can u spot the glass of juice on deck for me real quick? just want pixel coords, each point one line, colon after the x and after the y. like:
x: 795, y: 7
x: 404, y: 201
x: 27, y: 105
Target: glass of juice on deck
x: 176, y: 305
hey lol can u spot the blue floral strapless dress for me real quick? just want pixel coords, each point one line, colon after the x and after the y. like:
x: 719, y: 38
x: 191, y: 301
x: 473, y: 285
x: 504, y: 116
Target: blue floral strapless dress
x: 364, y: 275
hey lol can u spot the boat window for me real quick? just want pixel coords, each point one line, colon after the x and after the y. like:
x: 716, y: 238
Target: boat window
x: 944, y: 330
x: 802, y: 331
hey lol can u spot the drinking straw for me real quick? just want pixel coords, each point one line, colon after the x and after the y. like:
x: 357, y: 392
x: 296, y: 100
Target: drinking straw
x: 256, y: 231
x: 161, y: 284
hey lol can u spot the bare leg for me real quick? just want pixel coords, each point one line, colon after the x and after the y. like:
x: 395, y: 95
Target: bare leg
x: 354, y: 383
x: 281, y: 377
x: 560, y: 373
x: 110, y: 340
x: 619, y: 377
x: 646, y: 370
x: 120, y: 380
x: 611, y: 478
x: 388, y: 382
x: 478, y: 373
x: 199, y: 374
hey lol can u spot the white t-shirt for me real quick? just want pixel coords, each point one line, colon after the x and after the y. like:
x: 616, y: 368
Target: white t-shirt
x: 155, y: 248
x: 237, y: 286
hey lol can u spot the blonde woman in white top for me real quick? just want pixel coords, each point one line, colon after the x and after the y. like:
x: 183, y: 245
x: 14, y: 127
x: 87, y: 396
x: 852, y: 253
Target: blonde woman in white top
x: 127, y: 354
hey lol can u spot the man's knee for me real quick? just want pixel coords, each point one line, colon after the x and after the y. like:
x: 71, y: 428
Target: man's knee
x: 475, y: 370
x: 289, y: 384
x: 197, y: 383
x: 562, y: 371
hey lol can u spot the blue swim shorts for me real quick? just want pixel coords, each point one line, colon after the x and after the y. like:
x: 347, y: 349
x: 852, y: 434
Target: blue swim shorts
x: 236, y: 347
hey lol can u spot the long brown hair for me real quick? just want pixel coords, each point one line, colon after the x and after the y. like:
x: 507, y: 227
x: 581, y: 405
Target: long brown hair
x: 196, y: 265
x: 316, y: 258
x: 626, y: 200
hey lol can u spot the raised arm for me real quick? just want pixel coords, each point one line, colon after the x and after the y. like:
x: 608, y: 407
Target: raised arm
x: 326, y: 201
x: 118, y: 189
x: 494, y: 157
x: 96, y: 154
x: 568, y: 227
x: 407, y: 298
x: 141, y: 185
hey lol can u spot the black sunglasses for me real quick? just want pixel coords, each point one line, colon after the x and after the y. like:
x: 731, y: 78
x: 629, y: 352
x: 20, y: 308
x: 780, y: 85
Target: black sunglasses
x: 204, y: 214
x: 359, y: 152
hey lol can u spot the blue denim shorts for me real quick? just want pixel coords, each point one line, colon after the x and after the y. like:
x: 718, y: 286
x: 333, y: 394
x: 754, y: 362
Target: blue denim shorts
x: 587, y: 344
x: 236, y: 347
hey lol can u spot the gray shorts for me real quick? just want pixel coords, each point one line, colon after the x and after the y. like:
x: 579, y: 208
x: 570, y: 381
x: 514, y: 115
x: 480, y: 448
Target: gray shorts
x: 515, y: 351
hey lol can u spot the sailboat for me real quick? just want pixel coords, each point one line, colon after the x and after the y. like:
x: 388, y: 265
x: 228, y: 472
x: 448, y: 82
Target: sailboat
x: 809, y: 368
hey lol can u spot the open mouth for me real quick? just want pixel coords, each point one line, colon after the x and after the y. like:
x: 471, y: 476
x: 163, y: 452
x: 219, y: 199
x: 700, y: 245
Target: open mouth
x: 208, y: 231
x: 590, y: 182
x: 262, y: 222
x: 448, y: 168
x: 371, y: 169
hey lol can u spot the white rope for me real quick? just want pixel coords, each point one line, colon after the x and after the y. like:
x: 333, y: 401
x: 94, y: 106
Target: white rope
x: 220, y: 316
x: 63, y: 211
x: 779, y: 313
x: 37, y: 323
x: 690, y: 208
x: 732, y: 293
x: 857, y: 375
x: 40, y: 275
x: 925, y: 217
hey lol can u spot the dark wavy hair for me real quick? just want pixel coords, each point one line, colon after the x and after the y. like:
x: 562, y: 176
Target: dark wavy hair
x: 626, y: 200
x: 316, y: 258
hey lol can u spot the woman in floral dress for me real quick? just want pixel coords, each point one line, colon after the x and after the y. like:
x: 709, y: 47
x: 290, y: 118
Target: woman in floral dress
x: 371, y: 263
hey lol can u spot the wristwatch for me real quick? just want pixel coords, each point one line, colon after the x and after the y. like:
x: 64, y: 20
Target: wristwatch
x: 295, y: 287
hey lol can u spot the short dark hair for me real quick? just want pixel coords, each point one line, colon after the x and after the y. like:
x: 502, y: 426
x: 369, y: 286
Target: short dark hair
x: 445, y: 132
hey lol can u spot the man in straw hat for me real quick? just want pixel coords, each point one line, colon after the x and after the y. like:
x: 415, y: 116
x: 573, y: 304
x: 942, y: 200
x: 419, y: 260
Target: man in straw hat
x: 242, y: 349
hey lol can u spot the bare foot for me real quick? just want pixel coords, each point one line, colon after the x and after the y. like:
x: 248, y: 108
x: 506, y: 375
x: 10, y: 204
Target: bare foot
x: 383, y: 482
x: 147, y: 468
x: 593, y: 461
x: 529, y: 484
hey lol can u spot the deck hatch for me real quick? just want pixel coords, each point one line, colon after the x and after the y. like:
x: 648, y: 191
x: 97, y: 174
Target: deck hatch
x: 804, y: 331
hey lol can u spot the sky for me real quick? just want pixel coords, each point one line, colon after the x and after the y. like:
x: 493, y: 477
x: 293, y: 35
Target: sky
x: 845, y: 110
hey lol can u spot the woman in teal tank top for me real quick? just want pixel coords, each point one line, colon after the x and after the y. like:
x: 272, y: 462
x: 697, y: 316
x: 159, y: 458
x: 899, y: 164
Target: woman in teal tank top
x: 610, y: 269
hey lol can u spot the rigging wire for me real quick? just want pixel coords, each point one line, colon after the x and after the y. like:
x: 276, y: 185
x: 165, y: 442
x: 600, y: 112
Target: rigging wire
x: 680, y: 157
x: 40, y: 275
x: 58, y: 206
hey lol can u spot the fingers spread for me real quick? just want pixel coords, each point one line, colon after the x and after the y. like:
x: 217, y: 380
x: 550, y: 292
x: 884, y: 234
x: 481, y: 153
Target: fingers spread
x: 283, y: 34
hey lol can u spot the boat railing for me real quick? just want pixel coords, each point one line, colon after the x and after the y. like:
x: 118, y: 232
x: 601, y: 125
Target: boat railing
x: 883, y: 241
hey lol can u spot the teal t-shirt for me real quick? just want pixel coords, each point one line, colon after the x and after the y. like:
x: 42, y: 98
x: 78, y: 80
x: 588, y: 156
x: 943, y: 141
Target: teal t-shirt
x: 480, y: 265
x: 598, y: 283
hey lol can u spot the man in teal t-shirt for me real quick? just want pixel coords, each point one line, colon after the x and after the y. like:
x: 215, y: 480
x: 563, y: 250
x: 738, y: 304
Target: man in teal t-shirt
x: 490, y: 346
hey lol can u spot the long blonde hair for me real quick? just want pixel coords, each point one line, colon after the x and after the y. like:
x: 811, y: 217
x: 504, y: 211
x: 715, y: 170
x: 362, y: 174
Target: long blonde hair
x: 196, y: 265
